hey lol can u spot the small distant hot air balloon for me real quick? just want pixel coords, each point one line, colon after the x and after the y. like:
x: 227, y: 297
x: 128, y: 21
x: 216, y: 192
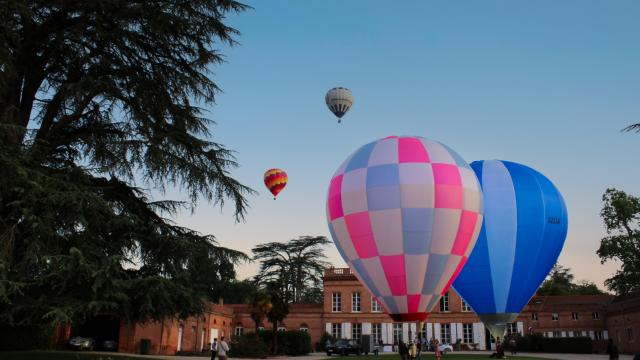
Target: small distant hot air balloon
x: 404, y: 213
x: 339, y: 101
x: 525, y: 225
x: 275, y: 180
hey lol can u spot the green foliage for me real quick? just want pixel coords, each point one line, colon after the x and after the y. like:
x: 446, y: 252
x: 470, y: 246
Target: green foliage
x: 621, y: 216
x: 539, y: 343
x: 295, y: 266
x: 98, y: 102
x: 248, y: 346
x: 260, y: 305
x: 560, y: 282
x: 33, y: 337
x: 323, y: 341
x: 575, y: 345
x: 291, y: 342
x: 234, y: 291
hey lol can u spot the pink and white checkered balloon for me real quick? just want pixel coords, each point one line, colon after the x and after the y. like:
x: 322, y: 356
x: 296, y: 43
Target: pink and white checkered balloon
x: 404, y: 213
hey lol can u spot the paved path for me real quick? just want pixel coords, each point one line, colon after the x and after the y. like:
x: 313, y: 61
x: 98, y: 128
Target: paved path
x: 319, y: 356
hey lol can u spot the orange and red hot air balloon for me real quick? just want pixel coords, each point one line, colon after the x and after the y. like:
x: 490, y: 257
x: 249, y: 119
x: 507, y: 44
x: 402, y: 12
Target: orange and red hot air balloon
x: 275, y: 180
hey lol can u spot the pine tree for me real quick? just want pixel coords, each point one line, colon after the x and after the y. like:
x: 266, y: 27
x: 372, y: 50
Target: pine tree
x: 100, y: 101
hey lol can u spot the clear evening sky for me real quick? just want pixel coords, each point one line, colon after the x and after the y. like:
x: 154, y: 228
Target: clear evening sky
x: 549, y: 84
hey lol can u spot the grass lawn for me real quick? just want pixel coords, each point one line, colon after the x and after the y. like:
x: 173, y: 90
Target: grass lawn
x: 430, y: 356
x: 61, y: 355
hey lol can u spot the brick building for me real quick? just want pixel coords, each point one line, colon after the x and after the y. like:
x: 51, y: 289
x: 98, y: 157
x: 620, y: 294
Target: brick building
x: 349, y: 311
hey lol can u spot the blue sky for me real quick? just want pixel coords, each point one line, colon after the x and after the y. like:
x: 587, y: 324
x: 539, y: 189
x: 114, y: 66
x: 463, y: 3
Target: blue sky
x: 546, y: 83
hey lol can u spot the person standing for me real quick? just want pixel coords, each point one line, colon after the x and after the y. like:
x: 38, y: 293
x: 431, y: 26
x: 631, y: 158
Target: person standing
x: 513, y: 346
x: 436, y: 349
x: 612, y: 350
x: 214, y: 349
x: 223, y: 347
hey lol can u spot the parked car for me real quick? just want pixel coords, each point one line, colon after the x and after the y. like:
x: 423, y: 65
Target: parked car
x: 81, y: 343
x: 344, y: 347
x: 445, y: 348
x: 109, y: 345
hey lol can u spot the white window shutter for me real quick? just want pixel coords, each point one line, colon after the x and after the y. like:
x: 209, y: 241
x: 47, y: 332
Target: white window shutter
x: 520, y: 327
x: 605, y: 335
x: 366, y: 328
x: 405, y: 332
x: 327, y: 327
x: 346, y: 330
x: 436, y: 331
x: 429, y: 331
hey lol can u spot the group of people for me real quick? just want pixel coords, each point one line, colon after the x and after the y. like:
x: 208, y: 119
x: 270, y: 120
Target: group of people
x: 414, y: 348
x: 219, y: 349
x: 500, y: 345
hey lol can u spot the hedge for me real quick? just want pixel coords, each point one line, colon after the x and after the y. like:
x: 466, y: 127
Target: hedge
x: 26, y: 337
x: 248, y: 345
x: 536, y: 342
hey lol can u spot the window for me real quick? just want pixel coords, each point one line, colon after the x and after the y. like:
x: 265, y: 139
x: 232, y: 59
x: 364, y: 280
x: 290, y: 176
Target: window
x: 423, y: 333
x: 465, y: 306
x: 356, y: 331
x: 282, y: 328
x: 376, y: 331
x: 467, y: 333
x: 336, y: 302
x: 444, y: 302
x: 556, y: 334
x: 574, y: 316
x: 239, y: 331
x: 397, y: 333
x: 260, y: 328
x: 629, y: 334
x: 534, y: 316
x: 445, y: 333
x: 304, y: 327
x: 336, y: 330
x: 555, y: 317
x: 375, y: 305
x: 596, y: 315
x: 512, y: 328
x: 576, y: 333
x: 597, y: 335
x: 355, y: 302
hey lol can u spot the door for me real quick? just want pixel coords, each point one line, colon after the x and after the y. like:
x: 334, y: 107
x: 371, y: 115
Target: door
x: 180, y: 331
x: 214, y: 335
x: 202, y: 340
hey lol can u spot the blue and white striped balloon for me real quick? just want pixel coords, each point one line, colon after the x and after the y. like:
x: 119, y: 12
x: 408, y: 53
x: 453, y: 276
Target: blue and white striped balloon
x: 524, y: 229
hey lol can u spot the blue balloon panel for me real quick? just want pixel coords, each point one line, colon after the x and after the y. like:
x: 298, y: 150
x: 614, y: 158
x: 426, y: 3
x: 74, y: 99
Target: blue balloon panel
x: 525, y: 225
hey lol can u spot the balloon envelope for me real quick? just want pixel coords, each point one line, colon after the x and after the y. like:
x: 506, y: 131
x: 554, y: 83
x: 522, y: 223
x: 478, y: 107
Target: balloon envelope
x: 404, y: 213
x: 525, y: 225
x: 275, y: 180
x: 339, y: 100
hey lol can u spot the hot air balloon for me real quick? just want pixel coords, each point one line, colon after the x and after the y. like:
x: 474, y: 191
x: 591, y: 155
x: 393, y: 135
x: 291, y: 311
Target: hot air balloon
x: 339, y: 101
x: 404, y: 213
x: 275, y: 180
x: 525, y: 225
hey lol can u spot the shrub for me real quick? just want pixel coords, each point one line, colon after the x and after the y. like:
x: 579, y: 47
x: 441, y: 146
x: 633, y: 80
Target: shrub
x: 295, y: 342
x: 291, y: 342
x: 576, y: 345
x: 249, y: 346
x: 323, y: 341
x: 26, y: 337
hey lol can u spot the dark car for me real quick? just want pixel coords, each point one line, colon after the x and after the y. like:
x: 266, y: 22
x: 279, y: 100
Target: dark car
x: 109, y: 345
x: 81, y: 343
x: 344, y: 347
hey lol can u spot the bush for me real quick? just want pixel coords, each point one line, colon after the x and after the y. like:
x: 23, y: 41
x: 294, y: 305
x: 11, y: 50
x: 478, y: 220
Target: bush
x: 193, y: 353
x: 576, y: 345
x: 294, y: 342
x: 26, y: 337
x: 249, y: 346
x: 291, y: 342
x: 323, y: 341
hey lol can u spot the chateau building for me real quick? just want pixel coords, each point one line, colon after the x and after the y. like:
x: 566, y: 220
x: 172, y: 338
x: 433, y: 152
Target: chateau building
x: 349, y: 311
